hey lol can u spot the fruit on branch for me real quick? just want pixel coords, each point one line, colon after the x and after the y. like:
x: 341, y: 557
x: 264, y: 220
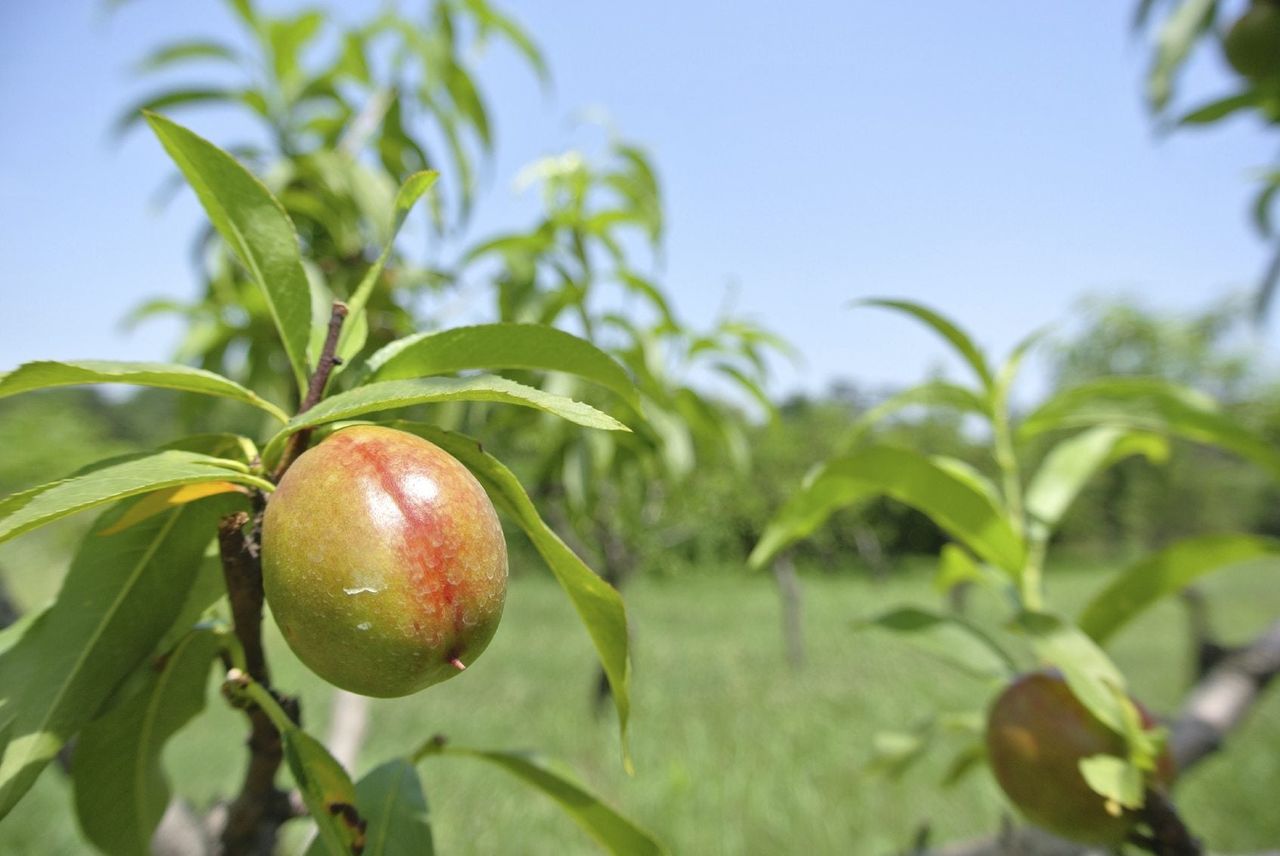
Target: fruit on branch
x: 1252, y: 45
x: 1037, y: 734
x: 383, y: 562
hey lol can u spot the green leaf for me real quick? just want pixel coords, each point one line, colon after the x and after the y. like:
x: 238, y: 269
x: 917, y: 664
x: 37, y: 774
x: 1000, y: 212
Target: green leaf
x: 121, y: 791
x: 117, y: 601
x: 598, y: 604
x: 955, y: 566
x: 618, y: 834
x: 395, y: 394
x: 502, y: 346
x: 1167, y: 572
x: 356, y: 329
x: 254, y: 224
x: 893, y: 753
x: 1088, y: 671
x: 326, y: 789
x: 195, y: 49
x: 1114, y: 778
x: 959, y: 340
x: 933, y: 394
x: 45, y: 374
x: 113, y: 479
x: 948, y: 637
x: 955, y: 503
x: 173, y: 98
x: 391, y: 801
x: 1070, y: 464
x: 1173, y: 43
x: 1149, y: 404
x: 1221, y: 108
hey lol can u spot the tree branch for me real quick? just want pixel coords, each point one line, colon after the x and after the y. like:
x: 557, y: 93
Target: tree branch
x: 297, y: 444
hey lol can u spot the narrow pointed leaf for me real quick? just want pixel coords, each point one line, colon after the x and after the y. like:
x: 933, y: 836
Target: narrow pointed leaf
x: 395, y: 394
x: 618, y: 834
x: 115, y: 479
x: 1094, y: 679
x: 46, y: 374
x: 949, y: 637
x: 1149, y: 404
x: 254, y: 224
x: 598, y: 604
x: 120, y: 787
x: 1072, y: 463
x: 1167, y: 572
x: 326, y: 789
x: 117, y: 601
x: 955, y: 503
x: 958, y: 339
x: 356, y: 329
x: 392, y: 803
x: 935, y: 394
x: 501, y: 346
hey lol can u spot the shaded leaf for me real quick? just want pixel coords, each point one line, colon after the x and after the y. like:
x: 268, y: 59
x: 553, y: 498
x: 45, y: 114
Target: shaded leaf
x: 949, y: 637
x: 391, y: 801
x: 121, y: 791
x: 326, y: 789
x: 117, y: 601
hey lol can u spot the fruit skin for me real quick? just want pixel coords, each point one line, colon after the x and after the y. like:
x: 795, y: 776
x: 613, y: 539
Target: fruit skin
x: 1252, y: 45
x: 1037, y: 734
x: 383, y: 561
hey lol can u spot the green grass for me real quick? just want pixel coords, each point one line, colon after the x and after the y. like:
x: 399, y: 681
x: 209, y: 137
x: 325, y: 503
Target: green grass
x: 735, y: 751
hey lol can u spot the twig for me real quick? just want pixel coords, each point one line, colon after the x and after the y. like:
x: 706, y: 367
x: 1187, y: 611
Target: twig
x: 784, y: 574
x: 297, y: 443
x: 1169, y: 835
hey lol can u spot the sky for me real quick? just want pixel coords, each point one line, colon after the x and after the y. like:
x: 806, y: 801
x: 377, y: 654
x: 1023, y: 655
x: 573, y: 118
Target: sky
x: 993, y: 160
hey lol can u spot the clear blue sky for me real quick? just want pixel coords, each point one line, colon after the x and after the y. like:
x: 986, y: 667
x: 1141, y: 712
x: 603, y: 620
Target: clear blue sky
x: 992, y: 159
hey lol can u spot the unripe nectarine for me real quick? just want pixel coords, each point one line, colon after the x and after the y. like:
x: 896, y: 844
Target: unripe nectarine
x: 383, y: 562
x: 1037, y: 734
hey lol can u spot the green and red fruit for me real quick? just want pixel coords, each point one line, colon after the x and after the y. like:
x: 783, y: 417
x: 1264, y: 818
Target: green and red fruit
x: 383, y: 562
x: 1037, y: 734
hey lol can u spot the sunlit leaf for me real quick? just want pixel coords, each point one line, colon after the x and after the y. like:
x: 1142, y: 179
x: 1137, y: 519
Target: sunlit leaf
x: 958, y: 339
x: 501, y: 346
x: 46, y: 374
x: 115, y: 479
x: 1167, y: 572
x: 954, y: 503
x: 255, y: 226
x: 396, y: 394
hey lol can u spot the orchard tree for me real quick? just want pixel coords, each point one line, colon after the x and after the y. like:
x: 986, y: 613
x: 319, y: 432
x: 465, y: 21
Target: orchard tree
x: 1072, y: 750
x: 377, y: 550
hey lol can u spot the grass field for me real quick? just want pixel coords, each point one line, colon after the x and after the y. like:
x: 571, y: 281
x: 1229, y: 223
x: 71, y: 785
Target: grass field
x: 735, y: 752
